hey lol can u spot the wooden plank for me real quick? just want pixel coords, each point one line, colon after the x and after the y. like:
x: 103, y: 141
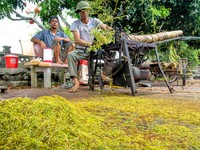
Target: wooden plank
x: 59, y: 65
x: 48, y: 64
x: 31, y: 63
x: 45, y: 64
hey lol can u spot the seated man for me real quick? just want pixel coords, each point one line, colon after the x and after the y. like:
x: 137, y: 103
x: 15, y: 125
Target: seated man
x: 81, y: 29
x: 54, y: 39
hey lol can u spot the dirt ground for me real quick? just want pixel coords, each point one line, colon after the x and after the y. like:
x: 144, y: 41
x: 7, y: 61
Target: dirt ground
x: 189, y: 92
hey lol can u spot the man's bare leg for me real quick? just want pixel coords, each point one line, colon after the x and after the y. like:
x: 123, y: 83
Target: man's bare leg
x: 57, y: 54
x: 75, y: 88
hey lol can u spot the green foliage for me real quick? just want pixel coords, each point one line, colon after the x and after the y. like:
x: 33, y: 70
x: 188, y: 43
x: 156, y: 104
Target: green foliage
x: 102, y: 37
x: 138, y: 16
x: 158, y: 13
x: 192, y: 54
x: 7, y: 6
x: 152, y: 16
x: 174, y: 51
x: 181, y: 49
x: 54, y: 7
x: 144, y: 16
x: 173, y: 56
x: 99, y: 11
x: 103, y: 122
x: 68, y: 33
x: 49, y: 7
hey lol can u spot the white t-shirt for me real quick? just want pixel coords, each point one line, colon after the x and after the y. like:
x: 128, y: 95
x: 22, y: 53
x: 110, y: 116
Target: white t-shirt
x: 85, y: 29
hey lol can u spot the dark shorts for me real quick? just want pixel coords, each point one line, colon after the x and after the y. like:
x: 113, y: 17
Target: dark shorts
x: 64, y: 47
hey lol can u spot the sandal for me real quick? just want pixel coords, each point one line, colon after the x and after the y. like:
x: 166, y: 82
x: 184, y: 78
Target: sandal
x: 66, y: 86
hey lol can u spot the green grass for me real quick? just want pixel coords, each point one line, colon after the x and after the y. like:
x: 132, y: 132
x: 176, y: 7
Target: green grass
x: 101, y: 123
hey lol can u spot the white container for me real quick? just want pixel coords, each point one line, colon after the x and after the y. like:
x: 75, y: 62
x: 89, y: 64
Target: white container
x: 83, y: 74
x: 48, y: 55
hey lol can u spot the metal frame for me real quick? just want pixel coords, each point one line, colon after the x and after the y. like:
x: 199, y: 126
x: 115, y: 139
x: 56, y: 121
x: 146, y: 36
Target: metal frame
x: 138, y: 44
x: 153, y: 45
x: 125, y: 45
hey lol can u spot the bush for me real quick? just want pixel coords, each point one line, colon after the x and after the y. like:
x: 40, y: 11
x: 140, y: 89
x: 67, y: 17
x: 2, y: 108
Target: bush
x: 181, y: 50
x: 192, y: 54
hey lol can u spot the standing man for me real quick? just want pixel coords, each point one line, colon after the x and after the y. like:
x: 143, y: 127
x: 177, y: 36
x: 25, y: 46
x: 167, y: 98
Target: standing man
x: 54, y: 39
x: 83, y: 37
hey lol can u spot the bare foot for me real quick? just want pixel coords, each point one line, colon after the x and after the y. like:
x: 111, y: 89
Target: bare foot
x: 75, y: 88
x: 65, y: 61
x: 59, y: 62
x: 105, y: 78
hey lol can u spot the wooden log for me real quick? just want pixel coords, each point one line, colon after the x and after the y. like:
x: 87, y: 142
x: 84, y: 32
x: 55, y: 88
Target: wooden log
x: 165, y: 66
x: 149, y: 38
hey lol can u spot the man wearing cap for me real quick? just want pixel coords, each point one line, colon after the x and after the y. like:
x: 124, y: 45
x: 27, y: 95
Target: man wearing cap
x: 54, y: 39
x: 81, y: 29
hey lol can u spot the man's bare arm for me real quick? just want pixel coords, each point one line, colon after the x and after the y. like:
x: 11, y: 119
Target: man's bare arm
x: 105, y: 27
x: 79, y: 41
x: 37, y: 41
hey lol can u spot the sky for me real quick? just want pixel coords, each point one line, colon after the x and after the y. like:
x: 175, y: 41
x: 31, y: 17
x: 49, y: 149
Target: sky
x: 13, y: 31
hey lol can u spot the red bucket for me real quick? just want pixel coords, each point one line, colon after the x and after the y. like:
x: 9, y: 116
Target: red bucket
x: 11, y: 61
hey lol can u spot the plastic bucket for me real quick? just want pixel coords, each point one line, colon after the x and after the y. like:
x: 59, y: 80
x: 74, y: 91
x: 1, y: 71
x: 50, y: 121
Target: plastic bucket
x: 48, y: 55
x: 11, y: 61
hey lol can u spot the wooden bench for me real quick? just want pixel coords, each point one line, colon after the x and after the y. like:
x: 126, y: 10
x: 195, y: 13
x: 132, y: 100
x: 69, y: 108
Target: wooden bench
x: 29, y: 49
x: 46, y: 69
